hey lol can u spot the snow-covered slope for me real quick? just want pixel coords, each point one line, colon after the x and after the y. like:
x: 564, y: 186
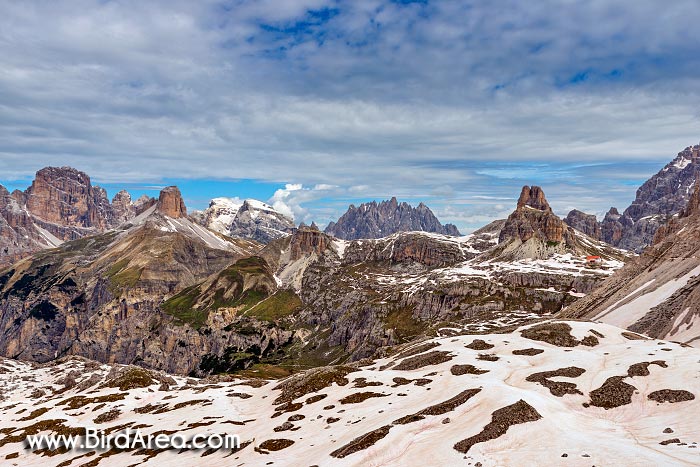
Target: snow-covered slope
x: 248, y: 218
x: 555, y: 393
x: 658, y: 293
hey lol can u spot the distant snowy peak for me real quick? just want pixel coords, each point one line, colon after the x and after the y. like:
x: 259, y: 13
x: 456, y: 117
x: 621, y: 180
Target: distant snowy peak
x: 247, y: 218
x: 220, y: 214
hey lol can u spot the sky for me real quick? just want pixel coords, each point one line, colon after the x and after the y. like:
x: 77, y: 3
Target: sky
x: 316, y: 104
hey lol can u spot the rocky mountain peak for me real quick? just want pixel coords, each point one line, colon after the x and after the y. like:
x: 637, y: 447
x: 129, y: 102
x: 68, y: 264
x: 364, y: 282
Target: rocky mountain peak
x: 65, y: 196
x: 586, y: 223
x: 533, y: 223
x: 533, y: 197
x: 170, y: 203
x: 665, y: 194
x: 377, y: 220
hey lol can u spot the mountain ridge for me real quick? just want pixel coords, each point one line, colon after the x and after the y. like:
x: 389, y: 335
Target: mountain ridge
x: 376, y: 220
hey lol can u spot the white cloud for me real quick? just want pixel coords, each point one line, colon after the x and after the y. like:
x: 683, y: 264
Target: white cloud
x: 377, y: 98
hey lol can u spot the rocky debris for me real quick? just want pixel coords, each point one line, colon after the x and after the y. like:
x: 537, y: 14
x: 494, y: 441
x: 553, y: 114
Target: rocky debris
x: 613, y: 393
x: 170, y: 203
x: 501, y: 420
x: 586, y: 223
x: 671, y: 395
x: 558, y: 388
x: 377, y: 220
x: 434, y: 357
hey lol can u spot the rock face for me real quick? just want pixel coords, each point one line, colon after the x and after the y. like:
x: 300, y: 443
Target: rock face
x: 658, y: 293
x: 251, y: 219
x: 170, y: 203
x: 533, y: 230
x: 533, y: 218
x: 60, y: 205
x: 104, y: 297
x: 662, y: 196
x: 376, y: 220
x: 586, y: 223
x: 65, y: 196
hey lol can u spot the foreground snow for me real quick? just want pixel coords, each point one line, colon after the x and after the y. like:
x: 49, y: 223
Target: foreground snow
x: 415, y: 416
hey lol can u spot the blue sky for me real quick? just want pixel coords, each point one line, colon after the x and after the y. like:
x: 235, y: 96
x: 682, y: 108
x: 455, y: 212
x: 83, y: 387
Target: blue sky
x: 314, y: 104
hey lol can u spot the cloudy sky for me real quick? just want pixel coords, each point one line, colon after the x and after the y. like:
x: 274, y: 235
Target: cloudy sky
x: 314, y: 104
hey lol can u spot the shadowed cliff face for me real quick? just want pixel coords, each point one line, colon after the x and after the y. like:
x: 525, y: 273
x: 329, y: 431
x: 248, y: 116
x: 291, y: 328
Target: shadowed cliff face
x: 586, y: 223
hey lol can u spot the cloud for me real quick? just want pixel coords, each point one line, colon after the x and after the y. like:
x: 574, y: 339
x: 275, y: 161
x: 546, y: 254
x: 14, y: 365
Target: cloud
x: 425, y: 100
x: 289, y: 200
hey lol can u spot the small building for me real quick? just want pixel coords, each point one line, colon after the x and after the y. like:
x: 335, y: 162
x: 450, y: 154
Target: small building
x: 594, y: 260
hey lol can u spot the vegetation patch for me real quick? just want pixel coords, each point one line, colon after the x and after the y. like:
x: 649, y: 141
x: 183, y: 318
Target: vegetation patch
x: 489, y: 357
x: 34, y: 414
x: 414, y: 350
x: 633, y: 336
x: 311, y: 381
x: 671, y: 395
x: 282, y: 304
x: 642, y: 368
x: 77, y: 402
x: 359, y: 397
x: 479, y: 344
x: 558, y: 388
x: 403, y: 323
x: 230, y: 361
x: 613, y: 393
x: 107, y: 416
x: 439, y: 409
x: 467, y: 369
x: 419, y: 361
x: 362, y: 442
x: 528, y: 352
x: 501, y: 420
x: 56, y: 426
x: 275, y: 444
x: 558, y: 334
x: 363, y: 383
x: 132, y: 378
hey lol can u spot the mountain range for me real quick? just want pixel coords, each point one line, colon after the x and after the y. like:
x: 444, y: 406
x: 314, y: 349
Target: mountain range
x: 518, y: 344
x: 376, y: 220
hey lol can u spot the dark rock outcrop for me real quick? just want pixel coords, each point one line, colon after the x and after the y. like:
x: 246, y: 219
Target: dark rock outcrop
x: 658, y: 199
x: 377, y: 220
x: 586, y: 223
